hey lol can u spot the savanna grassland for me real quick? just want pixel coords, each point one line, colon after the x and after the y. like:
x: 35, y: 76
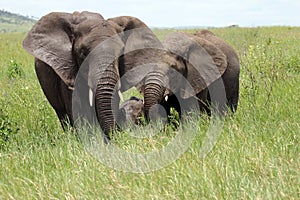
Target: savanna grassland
x: 257, y: 156
x: 10, y: 22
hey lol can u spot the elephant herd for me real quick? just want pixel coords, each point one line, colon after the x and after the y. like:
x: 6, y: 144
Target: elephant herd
x: 84, y: 62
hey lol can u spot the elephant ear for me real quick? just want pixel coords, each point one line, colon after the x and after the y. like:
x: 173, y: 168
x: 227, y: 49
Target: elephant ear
x: 141, y: 51
x: 50, y: 40
x: 204, y: 62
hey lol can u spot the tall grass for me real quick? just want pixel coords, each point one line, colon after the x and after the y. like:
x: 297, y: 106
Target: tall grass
x: 256, y: 156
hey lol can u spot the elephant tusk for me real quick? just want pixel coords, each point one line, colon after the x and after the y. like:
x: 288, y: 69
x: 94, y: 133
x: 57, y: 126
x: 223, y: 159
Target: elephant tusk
x: 166, y: 98
x: 71, y: 88
x: 121, y: 96
x: 91, y: 95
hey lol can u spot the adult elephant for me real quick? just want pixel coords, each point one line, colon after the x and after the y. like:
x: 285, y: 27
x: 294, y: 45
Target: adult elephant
x: 62, y: 42
x: 198, y: 66
x: 230, y: 77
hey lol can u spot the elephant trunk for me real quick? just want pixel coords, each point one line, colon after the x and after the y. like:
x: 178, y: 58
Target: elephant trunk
x: 107, y: 100
x: 153, y: 92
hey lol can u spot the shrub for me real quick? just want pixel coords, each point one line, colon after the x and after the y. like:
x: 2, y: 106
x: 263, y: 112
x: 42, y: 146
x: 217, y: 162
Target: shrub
x: 8, y: 128
x: 15, y: 70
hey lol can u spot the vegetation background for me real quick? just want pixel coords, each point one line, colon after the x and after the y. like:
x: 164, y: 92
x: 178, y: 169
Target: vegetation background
x: 256, y: 156
x: 10, y: 22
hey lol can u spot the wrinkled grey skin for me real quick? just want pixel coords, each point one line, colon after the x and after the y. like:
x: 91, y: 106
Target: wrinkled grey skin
x: 158, y: 83
x: 130, y: 111
x: 60, y: 42
x: 231, y: 75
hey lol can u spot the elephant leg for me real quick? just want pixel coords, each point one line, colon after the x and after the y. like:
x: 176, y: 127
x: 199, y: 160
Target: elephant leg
x: 231, y: 83
x: 66, y: 95
x: 203, y: 101
x: 172, y: 102
x: 217, y: 97
x: 54, y: 91
x: 183, y: 106
x: 233, y: 97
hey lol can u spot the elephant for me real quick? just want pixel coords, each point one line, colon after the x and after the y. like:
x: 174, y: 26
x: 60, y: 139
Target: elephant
x: 231, y: 75
x: 131, y: 111
x: 200, y: 70
x: 62, y: 43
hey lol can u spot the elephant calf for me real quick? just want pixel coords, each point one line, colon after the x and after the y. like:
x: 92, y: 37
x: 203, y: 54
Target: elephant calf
x: 131, y: 111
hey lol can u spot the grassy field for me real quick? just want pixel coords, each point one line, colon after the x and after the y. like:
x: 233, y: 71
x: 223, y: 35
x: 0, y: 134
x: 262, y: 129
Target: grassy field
x: 257, y: 156
x: 10, y: 22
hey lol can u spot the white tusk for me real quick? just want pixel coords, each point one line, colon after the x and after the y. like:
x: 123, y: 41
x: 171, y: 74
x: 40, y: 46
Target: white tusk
x: 71, y: 88
x: 166, y: 98
x: 91, y: 95
x: 121, y: 96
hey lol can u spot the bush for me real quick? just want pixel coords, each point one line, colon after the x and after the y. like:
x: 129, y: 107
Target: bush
x: 8, y: 128
x: 15, y: 70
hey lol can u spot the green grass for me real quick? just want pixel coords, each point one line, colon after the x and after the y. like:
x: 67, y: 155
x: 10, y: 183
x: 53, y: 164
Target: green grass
x: 15, y: 28
x: 257, y: 155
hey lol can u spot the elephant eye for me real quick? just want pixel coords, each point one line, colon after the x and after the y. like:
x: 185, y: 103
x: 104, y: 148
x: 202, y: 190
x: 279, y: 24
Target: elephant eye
x: 84, y: 52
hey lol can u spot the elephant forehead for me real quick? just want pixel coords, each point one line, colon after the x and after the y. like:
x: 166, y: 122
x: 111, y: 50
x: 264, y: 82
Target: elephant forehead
x: 94, y: 28
x: 79, y: 17
x: 177, y: 47
x: 86, y: 27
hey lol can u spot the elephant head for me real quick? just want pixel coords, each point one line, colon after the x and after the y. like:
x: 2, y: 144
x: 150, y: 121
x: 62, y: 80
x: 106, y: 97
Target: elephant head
x: 64, y: 41
x: 191, y: 65
x: 131, y: 111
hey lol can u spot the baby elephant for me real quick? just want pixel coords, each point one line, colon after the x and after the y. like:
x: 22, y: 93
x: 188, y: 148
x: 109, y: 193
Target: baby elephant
x: 130, y: 111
